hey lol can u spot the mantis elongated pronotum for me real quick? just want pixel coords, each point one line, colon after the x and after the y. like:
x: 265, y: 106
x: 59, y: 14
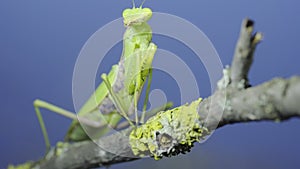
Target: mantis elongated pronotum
x: 117, y: 96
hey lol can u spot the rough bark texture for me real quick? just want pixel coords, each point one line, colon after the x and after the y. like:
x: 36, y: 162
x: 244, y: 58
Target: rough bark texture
x: 275, y: 100
x: 88, y: 154
x: 243, y: 56
x: 234, y: 102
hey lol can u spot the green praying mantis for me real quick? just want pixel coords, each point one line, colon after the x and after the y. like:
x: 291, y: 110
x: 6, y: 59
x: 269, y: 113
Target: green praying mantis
x: 118, y: 95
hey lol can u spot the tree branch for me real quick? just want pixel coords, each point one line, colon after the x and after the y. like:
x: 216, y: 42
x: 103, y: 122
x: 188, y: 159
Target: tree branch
x: 275, y: 100
x: 233, y: 102
x: 88, y: 154
x: 243, y: 56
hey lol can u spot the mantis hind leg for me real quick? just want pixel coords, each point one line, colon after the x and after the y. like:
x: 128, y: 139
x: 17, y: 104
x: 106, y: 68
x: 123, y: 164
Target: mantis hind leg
x: 42, y: 104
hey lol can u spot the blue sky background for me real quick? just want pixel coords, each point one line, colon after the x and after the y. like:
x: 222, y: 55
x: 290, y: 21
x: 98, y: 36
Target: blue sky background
x: 40, y: 41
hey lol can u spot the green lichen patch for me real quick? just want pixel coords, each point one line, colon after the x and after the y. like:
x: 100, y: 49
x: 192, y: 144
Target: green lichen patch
x: 27, y: 165
x: 61, y: 147
x: 168, y: 133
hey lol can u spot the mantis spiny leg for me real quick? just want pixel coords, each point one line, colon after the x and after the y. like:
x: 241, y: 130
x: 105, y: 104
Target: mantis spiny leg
x: 115, y: 98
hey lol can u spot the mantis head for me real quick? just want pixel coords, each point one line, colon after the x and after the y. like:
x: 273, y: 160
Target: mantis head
x: 136, y: 16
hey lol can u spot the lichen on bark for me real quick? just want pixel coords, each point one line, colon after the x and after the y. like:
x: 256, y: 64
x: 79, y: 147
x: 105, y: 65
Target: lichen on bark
x: 169, y: 132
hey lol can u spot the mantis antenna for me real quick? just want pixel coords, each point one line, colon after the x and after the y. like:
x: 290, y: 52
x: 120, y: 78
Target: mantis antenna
x: 142, y: 3
x: 133, y: 3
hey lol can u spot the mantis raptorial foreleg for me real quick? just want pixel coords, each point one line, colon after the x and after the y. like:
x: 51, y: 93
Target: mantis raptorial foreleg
x: 115, y: 98
x: 142, y: 119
